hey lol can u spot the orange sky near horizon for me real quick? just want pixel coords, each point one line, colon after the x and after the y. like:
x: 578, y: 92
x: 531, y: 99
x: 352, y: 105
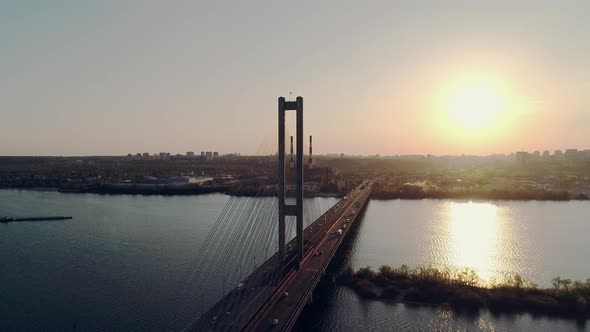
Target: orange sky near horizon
x: 530, y: 98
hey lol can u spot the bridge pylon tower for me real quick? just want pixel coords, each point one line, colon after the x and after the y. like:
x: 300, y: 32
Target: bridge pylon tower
x: 287, y: 209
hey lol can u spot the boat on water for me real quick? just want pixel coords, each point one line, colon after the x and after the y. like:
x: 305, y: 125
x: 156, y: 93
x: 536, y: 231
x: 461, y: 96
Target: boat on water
x: 10, y: 219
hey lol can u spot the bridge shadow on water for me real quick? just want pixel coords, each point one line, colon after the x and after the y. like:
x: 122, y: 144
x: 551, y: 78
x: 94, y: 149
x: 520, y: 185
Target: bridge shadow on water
x: 325, y: 292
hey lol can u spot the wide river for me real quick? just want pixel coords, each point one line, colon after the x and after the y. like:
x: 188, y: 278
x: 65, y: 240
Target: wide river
x: 121, y: 263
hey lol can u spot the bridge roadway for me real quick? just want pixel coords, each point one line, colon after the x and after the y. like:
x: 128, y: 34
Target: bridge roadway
x: 261, y: 300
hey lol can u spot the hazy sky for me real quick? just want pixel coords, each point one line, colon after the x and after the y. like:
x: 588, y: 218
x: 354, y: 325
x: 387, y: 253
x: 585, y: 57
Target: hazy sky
x: 118, y: 77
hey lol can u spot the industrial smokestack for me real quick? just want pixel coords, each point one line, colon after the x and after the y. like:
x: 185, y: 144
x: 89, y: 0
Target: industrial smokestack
x: 292, y: 163
x: 310, y: 152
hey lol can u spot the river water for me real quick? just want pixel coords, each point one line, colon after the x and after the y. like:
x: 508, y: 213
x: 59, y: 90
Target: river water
x: 116, y: 265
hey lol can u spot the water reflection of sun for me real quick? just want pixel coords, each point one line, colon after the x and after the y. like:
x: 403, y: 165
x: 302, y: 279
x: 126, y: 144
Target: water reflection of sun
x: 474, y: 232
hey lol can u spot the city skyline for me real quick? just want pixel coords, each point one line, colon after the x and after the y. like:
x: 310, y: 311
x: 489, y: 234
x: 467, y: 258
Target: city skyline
x: 113, y: 78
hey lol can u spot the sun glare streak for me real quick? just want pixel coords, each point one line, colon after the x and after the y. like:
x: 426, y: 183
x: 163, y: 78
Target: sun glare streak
x: 474, y: 234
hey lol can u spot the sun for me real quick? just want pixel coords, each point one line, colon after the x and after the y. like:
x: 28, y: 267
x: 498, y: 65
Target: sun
x: 474, y: 107
x: 476, y: 104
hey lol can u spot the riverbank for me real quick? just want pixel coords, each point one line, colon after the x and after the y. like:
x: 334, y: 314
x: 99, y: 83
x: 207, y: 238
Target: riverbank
x: 508, y: 195
x: 461, y: 290
x: 516, y: 195
x: 169, y: 191
x: 30, y: 188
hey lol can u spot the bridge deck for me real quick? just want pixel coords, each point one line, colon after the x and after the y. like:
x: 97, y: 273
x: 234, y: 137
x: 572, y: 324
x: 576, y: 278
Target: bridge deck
x: 256, y: 305
x: 300, y: 285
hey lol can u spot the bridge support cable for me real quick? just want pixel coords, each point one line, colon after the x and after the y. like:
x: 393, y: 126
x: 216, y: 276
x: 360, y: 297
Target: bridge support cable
x: 247, y: 241
x: 234, y: 253
x: 246, y: 236
x: 217, y: 246
x: 209, y: 239
x: 201, y: 263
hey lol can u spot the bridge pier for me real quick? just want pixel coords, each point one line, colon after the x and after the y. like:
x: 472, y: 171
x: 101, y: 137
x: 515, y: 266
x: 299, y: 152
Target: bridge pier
x: 281, y: 186
x: 285, y: 209
x: 299, y: 170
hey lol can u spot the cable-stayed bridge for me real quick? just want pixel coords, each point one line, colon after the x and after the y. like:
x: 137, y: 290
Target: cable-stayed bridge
x: 287, y: 268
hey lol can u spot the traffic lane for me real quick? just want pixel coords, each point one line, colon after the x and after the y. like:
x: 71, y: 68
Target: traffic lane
x: 285, y: 305
x: 259, y: 280
x: 311, y: 270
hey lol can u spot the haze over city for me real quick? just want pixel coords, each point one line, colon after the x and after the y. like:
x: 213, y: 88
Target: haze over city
x: 380, y: 77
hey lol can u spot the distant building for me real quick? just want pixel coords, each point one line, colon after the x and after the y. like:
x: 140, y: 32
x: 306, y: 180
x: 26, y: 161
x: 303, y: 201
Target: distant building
x: 546, y: 154
x: 311, y: 186
x: 190, y: 154
x: 537, y: 155
x: 215, y: 154
x: 200, y: 179
x: 209, y: 155
x: 163, y: 155
x: 146, y: 155
x: 522, y: 158
x: 307, y: 186
x: 203, y: 154
x: 571, y: 154
x: 558, y: 154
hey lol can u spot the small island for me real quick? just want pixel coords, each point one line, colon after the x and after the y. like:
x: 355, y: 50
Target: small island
x: 462, y: 291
